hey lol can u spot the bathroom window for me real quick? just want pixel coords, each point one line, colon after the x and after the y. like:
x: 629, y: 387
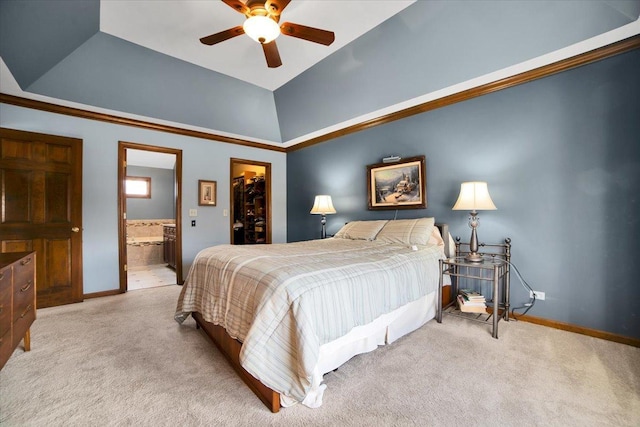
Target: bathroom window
x: 138, y: 186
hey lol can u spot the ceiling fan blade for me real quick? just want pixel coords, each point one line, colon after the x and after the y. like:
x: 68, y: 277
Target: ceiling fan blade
x: 275, y: 7
x: 222, y: 35
x: 238, y: 5
x: 271, y: 54
x: 308, y: 33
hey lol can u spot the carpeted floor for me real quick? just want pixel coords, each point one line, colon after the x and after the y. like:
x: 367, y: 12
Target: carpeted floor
x: 123, y: 360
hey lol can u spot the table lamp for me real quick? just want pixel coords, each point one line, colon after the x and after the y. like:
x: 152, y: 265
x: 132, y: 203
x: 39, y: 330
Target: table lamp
x: 323, y: 206
x: 474, y: 196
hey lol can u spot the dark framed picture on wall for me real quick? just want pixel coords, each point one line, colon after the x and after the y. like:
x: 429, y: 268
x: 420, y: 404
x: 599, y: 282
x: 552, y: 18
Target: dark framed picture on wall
x: 206, y: 193
x: 398, y: 185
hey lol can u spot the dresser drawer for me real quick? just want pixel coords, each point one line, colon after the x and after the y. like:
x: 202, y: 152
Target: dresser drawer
x: 23, y: 288
x: 5, y: 277
x: 6, y: 348
x: 5, y: 300
x: 23, y: 296
x: 22, y: 323
x: 17, y: 300
x: 23, y: 271
x: 5, y: 309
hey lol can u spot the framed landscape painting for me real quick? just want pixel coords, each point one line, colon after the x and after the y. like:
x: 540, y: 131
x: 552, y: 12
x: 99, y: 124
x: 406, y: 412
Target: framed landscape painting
x: 398, y: 185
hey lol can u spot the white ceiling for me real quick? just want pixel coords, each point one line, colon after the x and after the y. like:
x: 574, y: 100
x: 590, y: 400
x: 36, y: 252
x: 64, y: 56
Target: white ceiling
x: 150, y: 159
x: 175, y: 27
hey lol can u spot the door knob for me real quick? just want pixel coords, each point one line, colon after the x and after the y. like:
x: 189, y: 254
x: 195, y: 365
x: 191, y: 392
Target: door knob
x: 75, y: 229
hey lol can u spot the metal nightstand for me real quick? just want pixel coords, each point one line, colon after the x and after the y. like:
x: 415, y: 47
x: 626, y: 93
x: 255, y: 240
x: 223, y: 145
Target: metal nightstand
x: 493, y: 270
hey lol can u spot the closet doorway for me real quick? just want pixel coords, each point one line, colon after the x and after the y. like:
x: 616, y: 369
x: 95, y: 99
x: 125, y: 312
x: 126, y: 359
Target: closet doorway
x: 149, y: 206
x: 250, y: 219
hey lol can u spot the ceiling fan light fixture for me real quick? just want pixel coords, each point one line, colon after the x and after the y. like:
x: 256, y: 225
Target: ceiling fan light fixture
x: 261, y: 28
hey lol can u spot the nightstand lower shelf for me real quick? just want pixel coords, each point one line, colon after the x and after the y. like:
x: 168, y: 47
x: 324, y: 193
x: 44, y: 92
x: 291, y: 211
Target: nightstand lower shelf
x: 452, y: 310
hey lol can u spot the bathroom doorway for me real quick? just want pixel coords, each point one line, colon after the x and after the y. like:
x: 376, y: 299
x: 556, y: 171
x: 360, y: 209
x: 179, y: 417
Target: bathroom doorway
x: 149, y: 206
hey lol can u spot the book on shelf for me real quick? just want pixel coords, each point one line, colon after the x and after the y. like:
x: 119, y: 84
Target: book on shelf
x: 472, y: 296
x: 468, y: 307
x: 474, y: 303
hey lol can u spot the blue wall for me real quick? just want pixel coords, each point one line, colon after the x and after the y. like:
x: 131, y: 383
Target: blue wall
x: 432, y: 45
x: 161, y: 204
x: 201, y: 159
x: 36, y: 35
x: 562, y: 159
x: 55, y: 48
x: 112, y: 73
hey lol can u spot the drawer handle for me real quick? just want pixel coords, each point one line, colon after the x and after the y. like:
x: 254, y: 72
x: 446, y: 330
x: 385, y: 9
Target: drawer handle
x: 25, y: 261
x: 26, y: 310
x: 26, y: 287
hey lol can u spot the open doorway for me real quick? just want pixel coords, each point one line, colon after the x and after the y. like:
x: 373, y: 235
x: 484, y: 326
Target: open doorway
x: 149, y: 199
x: 250, y: 218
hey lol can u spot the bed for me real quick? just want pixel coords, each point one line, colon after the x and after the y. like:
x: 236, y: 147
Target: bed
x: 286, y: 314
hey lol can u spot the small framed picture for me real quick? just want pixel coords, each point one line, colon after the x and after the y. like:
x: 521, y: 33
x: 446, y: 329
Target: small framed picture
x: 206, y: 193
x: 400, y: 185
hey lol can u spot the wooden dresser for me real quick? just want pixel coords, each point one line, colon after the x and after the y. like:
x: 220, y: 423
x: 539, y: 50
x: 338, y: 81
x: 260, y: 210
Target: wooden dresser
x: 17, y: 301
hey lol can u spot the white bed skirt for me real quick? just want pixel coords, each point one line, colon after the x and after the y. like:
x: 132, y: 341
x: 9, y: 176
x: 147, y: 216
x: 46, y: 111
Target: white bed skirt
x: 362, y: 339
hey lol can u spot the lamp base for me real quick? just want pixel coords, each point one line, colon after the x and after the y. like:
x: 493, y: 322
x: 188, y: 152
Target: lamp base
x: 474, y: 257
x: 323, y: 234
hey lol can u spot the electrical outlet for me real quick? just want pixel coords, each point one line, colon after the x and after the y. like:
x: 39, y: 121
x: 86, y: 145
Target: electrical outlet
x: 539, y: 295
x: 193, y: 212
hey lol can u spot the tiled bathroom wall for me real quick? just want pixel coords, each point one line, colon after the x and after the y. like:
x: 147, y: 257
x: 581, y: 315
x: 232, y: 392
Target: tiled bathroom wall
x: 145, y: 242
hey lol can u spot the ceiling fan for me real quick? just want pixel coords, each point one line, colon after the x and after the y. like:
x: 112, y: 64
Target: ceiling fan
x: 262, y: 25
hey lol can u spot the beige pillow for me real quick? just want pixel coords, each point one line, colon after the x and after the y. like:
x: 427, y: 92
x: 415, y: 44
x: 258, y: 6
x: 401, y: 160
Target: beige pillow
x: 360, y: 230
x: 407, y: 231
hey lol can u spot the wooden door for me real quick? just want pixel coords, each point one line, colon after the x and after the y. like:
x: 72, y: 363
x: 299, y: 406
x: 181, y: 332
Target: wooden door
x: 41, y: 209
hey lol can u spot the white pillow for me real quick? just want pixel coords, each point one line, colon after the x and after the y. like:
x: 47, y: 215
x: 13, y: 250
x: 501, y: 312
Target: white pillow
x: 407, y: 231
x: 360, y: 230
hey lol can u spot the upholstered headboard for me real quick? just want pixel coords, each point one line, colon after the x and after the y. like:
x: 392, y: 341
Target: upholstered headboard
x: 449, y: 246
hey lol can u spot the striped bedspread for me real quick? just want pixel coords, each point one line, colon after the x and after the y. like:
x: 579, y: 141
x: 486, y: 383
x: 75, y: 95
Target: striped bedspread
x: 283, y: 301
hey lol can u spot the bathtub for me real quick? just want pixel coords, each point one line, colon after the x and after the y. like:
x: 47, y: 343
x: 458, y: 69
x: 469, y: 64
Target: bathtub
x: 145, y: 251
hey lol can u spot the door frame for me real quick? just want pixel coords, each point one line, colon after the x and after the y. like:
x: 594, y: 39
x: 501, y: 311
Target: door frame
x: 267, y: 175
x: 122, y: 206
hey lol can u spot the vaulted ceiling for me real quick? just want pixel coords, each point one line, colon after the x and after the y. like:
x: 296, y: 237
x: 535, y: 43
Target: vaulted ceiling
x: 143, y: 59
x: 174, y: 28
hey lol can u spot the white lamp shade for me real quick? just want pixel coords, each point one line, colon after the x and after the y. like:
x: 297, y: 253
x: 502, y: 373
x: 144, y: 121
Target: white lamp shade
x: 474, y: 196
x: 261, y: 28
x: 323, y: 205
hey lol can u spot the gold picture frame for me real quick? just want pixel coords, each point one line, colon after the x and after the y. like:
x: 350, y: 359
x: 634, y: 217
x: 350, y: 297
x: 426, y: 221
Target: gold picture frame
x: 398, y: 185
